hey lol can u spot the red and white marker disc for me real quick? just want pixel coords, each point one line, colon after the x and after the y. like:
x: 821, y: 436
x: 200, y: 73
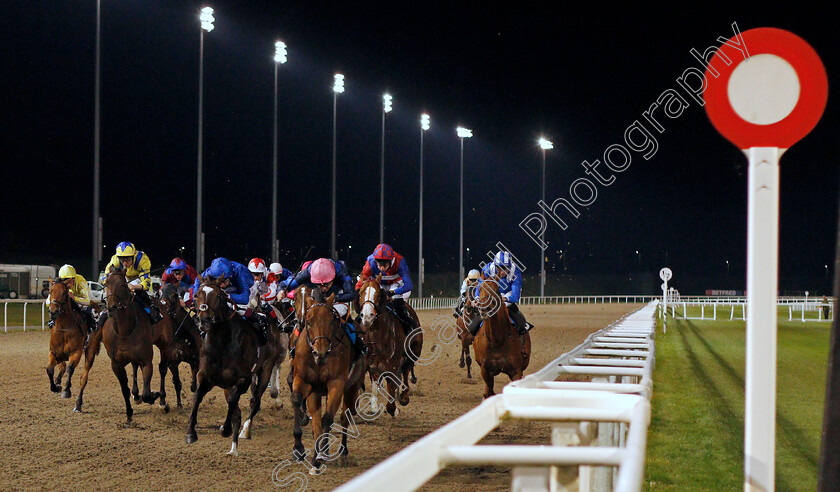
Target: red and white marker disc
x: 773, y: 98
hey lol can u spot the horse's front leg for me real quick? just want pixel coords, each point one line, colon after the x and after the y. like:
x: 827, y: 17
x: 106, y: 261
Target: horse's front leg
x: 55, y: 388
x: 488, y: 381
x: 313, y: 404
x: 234, y: 417
x: 62, y: 367
x: 335, y: 395
x: 163, y: 367
x: 203, y: 387
x: 135, y: 391
x: 71, y: 368
x: 264, y: 376
x: 148, y: 395
x: 298, y: 390
x: 90, y: 356
x: 176, y: 381
x: 119, y: 371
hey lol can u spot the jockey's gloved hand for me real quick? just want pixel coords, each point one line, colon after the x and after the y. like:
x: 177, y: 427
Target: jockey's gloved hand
x: 389, y: 293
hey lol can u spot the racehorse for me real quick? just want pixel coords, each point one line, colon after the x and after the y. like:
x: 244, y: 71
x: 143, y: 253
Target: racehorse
x: 323, y: 367
x: 178, y: 340
x: 128, y: 337
x: 387, y: 360
x: 67, y: 339
x: 229, y: 360
x: 469, y: 312
x: 498, y: 346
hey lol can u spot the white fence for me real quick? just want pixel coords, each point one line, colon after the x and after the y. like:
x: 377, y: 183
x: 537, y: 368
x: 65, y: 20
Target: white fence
x: 40, y: 306
x: 600, y: 426
x: 425, y: 303
x: 713, y: 309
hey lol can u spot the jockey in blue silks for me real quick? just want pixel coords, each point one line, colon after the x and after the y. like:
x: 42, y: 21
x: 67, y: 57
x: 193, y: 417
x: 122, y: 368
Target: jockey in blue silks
x: 510, y: 288
x: 237, y: 282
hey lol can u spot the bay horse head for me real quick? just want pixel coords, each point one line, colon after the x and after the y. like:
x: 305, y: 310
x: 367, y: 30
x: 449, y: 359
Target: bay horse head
x: 211, y: 302
x: 371, y: 298
x: 117, y: 294
x: 320, y: 326
x: 59, y: 300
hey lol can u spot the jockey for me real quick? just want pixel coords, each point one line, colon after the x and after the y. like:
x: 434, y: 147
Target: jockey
x: 331, y: 277
x: 395, y: 280
x: 237, y: 282
x: 470, y: 282
x: 276, y: 274
x: 510, y: 287
x: 138, y: 274
x: 79, y: 296
x: 179, y: 273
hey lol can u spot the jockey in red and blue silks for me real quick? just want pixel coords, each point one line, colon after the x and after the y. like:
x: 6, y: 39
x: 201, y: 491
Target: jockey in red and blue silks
x: 510, y: 287
x: 276, y: 274
x: 180, y: 273
x: 395, y: 280
x: 331, y: 277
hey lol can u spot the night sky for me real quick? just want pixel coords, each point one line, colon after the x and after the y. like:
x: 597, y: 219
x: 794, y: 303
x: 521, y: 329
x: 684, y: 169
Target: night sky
x: 510, y: 71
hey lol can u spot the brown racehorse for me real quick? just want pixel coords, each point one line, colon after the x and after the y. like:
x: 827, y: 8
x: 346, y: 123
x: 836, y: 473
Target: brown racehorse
x: 128, y: 337
x: 323, y: 367
x: 178, y: 341
x: 464, y: 334
x: 387, y: 360
x: 229, y: 360
x: 67, y: 339
x: 498, y: 346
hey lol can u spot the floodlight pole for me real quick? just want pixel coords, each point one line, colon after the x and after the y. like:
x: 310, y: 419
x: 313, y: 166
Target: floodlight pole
x: 199, y: 253
x: 542, y: 233
x: 97, y: 233
x: 461, y: 233
x: 275, y: 254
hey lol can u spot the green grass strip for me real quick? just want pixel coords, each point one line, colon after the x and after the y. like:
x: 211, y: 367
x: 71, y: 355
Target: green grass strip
x: 696, y: 438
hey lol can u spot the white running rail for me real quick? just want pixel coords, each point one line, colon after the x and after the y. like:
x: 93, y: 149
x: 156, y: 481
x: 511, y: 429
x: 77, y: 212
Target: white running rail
x: 450, y: 302
x: 611, y: 413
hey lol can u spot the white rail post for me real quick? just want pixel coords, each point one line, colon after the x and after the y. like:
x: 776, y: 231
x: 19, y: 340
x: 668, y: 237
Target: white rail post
x: 24, y: 315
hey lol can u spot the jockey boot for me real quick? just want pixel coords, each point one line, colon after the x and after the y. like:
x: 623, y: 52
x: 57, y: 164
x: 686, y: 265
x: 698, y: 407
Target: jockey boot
x: 87, y: 312
x: 459, y: 310
x: 402, y: 313
x: 474, y: 325
x: 259, y: 322
x: 51, y: 323
x: 519, y: 319
x: 359, y: 347
x: 103, y: 317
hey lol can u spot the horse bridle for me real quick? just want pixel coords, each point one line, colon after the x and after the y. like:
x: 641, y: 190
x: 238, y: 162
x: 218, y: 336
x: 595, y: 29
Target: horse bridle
x: 119, y: 306
x: 482, y: 311
x: 372, y: 304
x: 203, y: 308
x: 63, y: 307
x: 330, y: 339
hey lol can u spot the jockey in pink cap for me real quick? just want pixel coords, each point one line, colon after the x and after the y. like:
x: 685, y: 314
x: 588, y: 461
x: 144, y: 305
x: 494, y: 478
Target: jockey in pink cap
x: 331, y: 277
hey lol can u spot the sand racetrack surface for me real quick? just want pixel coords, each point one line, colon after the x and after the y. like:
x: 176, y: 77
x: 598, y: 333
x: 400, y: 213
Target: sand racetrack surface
x: 45, y: 445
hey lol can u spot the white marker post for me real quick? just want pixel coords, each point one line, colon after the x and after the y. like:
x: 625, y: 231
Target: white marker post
x: 764, y: 103
x: 665, y: 274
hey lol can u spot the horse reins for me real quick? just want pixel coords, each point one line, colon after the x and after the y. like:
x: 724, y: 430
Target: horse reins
x: 311, y: 341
